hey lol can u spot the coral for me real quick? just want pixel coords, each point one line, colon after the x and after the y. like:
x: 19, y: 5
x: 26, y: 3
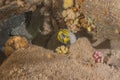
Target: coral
x: 14, y: 43
x: 98, y: 57
x: 71, y: 17
x: 88, y: 24
x: 62, y: 50
x: 67, y: 3
x: 75, y: 19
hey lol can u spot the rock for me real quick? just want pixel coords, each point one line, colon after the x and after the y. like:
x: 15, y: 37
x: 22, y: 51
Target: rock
x: 105, y: 16
x: 2, y: 57
x: 82, y: 50
x: 114, y: 60
x: 37, y: 63
x: 115, y: 44
x: 6, y: 27
x: 53, y: 43
x: 42, y: 40
x: 111, y: 57
x: 13, y: 26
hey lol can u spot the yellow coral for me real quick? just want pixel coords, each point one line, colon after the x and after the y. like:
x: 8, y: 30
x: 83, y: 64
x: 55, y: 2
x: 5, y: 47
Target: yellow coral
x: 87, y: 24
x: 62, y: 50
x: 75, y: 19
x: 67, y: 3
x: 71, y: 17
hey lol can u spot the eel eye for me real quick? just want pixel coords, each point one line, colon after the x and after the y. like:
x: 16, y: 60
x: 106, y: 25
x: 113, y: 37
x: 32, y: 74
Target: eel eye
x: 63, y: 36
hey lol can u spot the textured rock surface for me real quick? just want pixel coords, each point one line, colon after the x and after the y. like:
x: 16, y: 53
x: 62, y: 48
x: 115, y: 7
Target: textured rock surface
x: 37, y: 63
x: 13, y: 26
x: 105, y: 15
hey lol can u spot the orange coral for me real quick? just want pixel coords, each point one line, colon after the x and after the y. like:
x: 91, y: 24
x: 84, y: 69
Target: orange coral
x: 15, y: 43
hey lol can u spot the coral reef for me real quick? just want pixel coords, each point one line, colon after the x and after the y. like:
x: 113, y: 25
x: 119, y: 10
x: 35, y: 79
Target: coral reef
x: 97, y: 19
x: 37, y: 63
x: 75, y: 19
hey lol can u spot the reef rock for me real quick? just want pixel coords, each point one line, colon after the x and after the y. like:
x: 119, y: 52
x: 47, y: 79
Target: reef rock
x: 37, y: 63
x: 105, y: 16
